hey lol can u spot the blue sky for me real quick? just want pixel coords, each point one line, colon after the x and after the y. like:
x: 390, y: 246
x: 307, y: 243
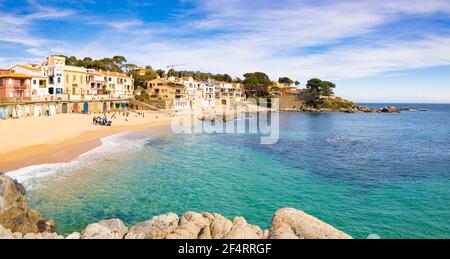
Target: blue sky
x: 395, y: 51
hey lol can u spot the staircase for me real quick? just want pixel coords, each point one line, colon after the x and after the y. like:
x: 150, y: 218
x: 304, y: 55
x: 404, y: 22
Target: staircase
x: 142, y: 105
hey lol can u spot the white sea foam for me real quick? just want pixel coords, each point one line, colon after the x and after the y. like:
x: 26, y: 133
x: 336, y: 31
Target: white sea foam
x: 111, y: 146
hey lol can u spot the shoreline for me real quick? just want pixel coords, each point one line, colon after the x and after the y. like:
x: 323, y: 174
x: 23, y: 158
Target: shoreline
x: 67, y: 149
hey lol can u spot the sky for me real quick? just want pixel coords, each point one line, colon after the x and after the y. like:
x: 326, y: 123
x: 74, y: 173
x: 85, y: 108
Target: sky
x: 375, y: 51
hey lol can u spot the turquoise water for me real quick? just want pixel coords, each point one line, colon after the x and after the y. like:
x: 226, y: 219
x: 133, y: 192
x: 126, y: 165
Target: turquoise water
x: 383, y: 174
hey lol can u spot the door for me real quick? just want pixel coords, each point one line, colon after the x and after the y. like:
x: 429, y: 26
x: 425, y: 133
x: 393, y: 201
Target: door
x: 52, y: 109
x: 3, y: 113
x: 64, y: 108
x: 85, y: 107
x: 105, y: 107
x: 95, y: 108
x: 37, y: 111
x: 75, y: 108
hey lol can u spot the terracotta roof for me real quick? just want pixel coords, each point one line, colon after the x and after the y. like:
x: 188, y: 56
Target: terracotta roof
x: 94, y: 73
x: 14, y: 75
x: 30, y: 67
x: 115, y: 74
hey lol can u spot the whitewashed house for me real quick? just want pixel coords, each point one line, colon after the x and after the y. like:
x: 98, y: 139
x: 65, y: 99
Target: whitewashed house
x: 38, y: 78
x: 53, y: 68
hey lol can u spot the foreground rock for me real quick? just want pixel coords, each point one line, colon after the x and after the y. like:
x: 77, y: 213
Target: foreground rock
x: 106, y: 229
x: 14, y: 213
x: 156, y: 228
x: 19, y: 222
x: 294, y: 224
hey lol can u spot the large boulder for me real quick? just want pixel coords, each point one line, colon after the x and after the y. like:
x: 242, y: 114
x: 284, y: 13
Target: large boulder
x: 44, y: 235
x: 242, y: 230
x: 74, y: 235
x: 158, y: 227
x: 106, y: 229
x: 190, y: 226
x: 14, y: 213
x: 220, y: 226
x: 290, y: 223
x: 6, y: 233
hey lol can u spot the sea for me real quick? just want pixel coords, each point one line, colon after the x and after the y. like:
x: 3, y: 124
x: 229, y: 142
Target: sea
x: 368, y: 174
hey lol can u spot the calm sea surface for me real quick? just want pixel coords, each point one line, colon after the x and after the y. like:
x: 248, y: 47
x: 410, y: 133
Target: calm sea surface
x: 383, y: 174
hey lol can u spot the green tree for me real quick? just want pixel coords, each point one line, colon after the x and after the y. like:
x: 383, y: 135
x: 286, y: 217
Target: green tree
x: 257, y: 84
x: 328, y: 88
x: 313, y: 86
x: 297, y: 83
x: 161, y: 73
x: 285, y: 80
x: 317, y: 88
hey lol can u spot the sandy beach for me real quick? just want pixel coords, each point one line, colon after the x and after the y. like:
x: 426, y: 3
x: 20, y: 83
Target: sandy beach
x: 63, y: 137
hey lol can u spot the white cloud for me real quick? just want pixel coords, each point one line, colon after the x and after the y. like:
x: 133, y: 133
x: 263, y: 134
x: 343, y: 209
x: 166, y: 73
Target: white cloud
x: 118, y: 24
x: 238, y: 36
x: 16, y: 28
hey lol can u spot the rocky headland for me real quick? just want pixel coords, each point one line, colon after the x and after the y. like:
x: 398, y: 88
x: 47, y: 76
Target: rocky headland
x: 353, y: 109
x: 17, y: 221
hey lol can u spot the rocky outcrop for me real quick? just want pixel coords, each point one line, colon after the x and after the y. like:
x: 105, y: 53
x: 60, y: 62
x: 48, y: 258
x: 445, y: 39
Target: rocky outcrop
x: 156, y: 228
x: 290, y: 223
x: 14, y: 213
x: 105, y: 229
x: 354, y: 109
x: 19, y: 222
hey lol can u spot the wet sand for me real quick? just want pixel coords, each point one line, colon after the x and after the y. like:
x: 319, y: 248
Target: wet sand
x: 62, y: 138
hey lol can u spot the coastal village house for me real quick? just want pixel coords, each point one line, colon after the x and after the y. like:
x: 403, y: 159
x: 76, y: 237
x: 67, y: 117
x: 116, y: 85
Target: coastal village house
x: 117, y: 84
x: 174, y: 94
x: 14, y: 86
x: 192, y: 87
x: 96, y: 81
x: 54, y: 87
x: 229, y: 93
x: 208, y: 95
x: 54, y: 80
x: 54, y: 68
x: 38, y: 78
x: 75, y: 81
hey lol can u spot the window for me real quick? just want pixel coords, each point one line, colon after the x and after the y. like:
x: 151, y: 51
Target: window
x: 74, y: 78
x: 34, y: 82
x: 59, y: 80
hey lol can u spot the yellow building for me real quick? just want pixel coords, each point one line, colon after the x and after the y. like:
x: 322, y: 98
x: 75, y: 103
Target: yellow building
x: 76, y: 81
x: 164, y: 89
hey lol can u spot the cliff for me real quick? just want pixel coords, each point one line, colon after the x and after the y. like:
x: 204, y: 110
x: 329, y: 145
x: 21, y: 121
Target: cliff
x: 19, y: 222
